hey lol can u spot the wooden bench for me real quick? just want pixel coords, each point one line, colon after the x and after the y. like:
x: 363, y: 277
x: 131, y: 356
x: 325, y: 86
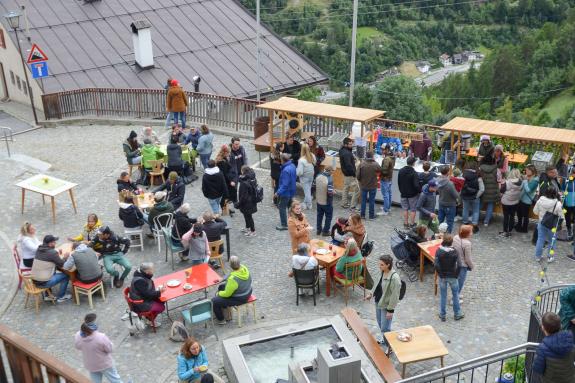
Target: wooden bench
x: 370, y: 345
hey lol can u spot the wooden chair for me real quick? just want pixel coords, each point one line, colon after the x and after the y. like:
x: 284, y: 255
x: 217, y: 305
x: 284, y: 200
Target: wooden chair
x: 358, y: 276
x: 215, y: 253
x: 21, y: 271
x: 88, y: 289
x: 246, y: 306
x: 31, y: 289
x: 131, y: 166
x: 156, y: 171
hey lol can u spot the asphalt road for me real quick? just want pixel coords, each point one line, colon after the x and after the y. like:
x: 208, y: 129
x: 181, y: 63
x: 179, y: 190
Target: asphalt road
x: 437, y: 75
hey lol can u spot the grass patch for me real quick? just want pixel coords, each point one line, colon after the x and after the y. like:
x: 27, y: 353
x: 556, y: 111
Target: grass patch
x: 408, y: 69
x: 365, y: 33
x: 557, y: 105
x: 484, y: 50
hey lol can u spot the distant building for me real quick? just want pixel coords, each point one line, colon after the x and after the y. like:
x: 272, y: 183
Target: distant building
x: 469, y: 56
x: 457, y: 59
x: 423, y: 66
x: 445, y: 59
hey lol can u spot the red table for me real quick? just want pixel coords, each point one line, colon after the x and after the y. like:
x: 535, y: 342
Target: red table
x: 202, y: 278
x: 326, y: 260
x: 427, y: 250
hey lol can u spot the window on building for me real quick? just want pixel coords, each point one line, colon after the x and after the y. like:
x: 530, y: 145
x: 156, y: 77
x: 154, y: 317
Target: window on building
x: 2, y: 41
x: 12, y: 78
x: 18, y: 82
x: 25, y: 87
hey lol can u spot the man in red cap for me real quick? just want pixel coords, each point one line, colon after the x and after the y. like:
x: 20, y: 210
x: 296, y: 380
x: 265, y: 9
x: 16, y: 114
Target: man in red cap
x: 177, y: 102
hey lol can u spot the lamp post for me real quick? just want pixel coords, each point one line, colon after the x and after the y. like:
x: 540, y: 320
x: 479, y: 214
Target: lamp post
x: 353, y: 49
x: 13, y: 19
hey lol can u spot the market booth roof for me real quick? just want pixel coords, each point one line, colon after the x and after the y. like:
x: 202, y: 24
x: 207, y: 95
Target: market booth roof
x: 293, y: 105
x: 509, y: 130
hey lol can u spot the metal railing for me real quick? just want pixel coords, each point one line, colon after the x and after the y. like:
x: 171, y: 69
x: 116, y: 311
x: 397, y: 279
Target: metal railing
x: 546, y: 300
x: 7, y: 135
x: 488, y: 368
x: 228, y: 112
x: 21, y: 361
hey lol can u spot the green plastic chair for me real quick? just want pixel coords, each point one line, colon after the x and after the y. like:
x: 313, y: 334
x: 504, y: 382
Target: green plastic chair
x: 170, y: 245
x: 200, y: 312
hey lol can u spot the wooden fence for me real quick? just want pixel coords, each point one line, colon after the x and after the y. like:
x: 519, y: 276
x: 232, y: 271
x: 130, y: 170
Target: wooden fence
x: 22, y: 362
x: 203, y: 108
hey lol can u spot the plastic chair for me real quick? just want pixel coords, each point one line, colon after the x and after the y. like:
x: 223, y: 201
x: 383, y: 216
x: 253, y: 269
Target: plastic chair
x: 88, y: 289
x: 170, y: 245
x: 156, y: 171
x: 307, y: 280
x: 21, y: 271
x: 215, y: 253
x: 161, y: 221
x: 358, y: 276
x: 136, y: 236
x: 200, y: 312
x: 31, y: 289
x: 144, y: 314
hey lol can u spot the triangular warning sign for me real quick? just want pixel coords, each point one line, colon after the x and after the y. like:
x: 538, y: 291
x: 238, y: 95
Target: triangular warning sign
x: 36, y: 55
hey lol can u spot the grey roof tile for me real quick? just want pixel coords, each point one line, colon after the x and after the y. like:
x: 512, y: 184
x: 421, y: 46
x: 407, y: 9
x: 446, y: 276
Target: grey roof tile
x: 90, y: 45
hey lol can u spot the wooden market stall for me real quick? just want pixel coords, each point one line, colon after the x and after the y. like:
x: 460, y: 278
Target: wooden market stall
x: 561, y: 137
x: 286, y: 116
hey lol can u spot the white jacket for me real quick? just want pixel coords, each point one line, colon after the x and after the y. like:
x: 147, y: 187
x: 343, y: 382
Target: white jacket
x: 545, y: 204
x: 304, y: 169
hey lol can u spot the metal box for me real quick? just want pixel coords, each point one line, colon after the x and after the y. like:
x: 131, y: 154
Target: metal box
x: 342, y: 368
x: 541, y: 160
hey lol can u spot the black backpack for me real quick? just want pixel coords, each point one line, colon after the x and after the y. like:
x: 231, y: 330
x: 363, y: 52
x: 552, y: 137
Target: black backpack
x: 378, y: 293
x: 259, y: 193
x: 402, y: 289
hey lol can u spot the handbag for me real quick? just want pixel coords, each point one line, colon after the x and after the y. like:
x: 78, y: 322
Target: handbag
x: 550, y: 220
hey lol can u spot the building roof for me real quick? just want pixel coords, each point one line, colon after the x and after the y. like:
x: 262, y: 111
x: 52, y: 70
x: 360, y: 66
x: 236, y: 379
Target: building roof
x: 90, y: 45
x: 444, y: 56
x: 422, y: 63
x: 308, y: 108
x: 509, y: 130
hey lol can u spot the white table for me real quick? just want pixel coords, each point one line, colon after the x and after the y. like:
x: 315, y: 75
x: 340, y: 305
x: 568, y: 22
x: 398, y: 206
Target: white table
x: 47, y: 186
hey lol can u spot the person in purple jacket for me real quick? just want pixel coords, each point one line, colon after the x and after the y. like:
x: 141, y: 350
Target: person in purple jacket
x: 96, y: 350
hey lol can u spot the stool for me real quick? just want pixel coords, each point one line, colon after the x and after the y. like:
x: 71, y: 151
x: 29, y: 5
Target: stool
x: 251, y: 302
x: 139, y: 234
x: 88, y: 289
x: 130, y: 166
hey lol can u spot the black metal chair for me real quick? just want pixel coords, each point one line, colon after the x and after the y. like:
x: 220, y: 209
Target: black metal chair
x: 306, y: 279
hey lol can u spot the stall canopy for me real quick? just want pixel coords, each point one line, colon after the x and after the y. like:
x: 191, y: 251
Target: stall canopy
x: 509, y: 130
x: 338, y: 112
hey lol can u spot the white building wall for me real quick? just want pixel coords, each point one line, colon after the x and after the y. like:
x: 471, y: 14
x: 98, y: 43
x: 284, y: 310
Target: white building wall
x: 12, y: 68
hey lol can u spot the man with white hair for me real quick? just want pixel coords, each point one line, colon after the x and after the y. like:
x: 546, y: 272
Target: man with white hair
x: 149, y: 133
x: 144, y: 292
x: 236, y: 291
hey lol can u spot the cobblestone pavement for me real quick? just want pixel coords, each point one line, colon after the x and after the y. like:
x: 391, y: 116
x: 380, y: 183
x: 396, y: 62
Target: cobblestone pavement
x: 497, y: 293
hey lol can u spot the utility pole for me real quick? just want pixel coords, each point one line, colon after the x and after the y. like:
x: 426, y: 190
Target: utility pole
x: 258, y: 70
x: 353, y: 39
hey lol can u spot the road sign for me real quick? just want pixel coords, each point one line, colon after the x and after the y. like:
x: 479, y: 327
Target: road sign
x: 39, y: 69
x: 36, y: 55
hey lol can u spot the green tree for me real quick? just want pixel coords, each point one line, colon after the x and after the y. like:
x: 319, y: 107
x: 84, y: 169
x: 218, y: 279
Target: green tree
x: 400, y: 97
x: 311, y: 93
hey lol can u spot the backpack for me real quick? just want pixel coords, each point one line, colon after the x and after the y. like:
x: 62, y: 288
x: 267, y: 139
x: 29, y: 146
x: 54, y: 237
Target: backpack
x: 402, y: 289
x: 259, y: 193
x: 179, y: 332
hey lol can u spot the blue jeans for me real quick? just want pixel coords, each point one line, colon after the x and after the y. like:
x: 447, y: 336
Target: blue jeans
x: 462, y: 277
x: 215, y: 205
x: 386, y: 194
x: 322, y: 210
x: 306, y: 184
x: 169, y: 119
x: 180, y: 116
x: 454, y: 284
x: 283, y: 206
x: 60, y: 278
x: 474, y: 205
x: 365, y: 195
x: 383, y: 323
x: 488, y: 212
x: 543, y: 234
x: 204, y: 158
x: 110, y: 373
x: 447, y: 214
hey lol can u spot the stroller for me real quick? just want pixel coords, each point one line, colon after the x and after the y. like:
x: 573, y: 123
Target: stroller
x: 404, y: 248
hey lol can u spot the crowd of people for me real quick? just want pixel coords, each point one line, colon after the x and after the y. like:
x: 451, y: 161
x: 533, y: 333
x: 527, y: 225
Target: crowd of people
x: 432, y: 201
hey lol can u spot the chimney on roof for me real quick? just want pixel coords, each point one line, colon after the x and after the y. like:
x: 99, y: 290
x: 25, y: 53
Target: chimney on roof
x: 142, y: 38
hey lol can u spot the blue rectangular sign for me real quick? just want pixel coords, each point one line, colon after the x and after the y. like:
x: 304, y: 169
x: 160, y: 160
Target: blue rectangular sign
x: 39, y: 69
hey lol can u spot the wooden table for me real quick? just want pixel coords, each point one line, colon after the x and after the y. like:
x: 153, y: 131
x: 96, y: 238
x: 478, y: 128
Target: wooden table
x: 424, y: 345
x: 144, y: 200
x: 326, y: 260
x: 47, y: 186
x: 202, y: 278
x: 427, y: 250
x: 66, y: 247
x: 518, y: 158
